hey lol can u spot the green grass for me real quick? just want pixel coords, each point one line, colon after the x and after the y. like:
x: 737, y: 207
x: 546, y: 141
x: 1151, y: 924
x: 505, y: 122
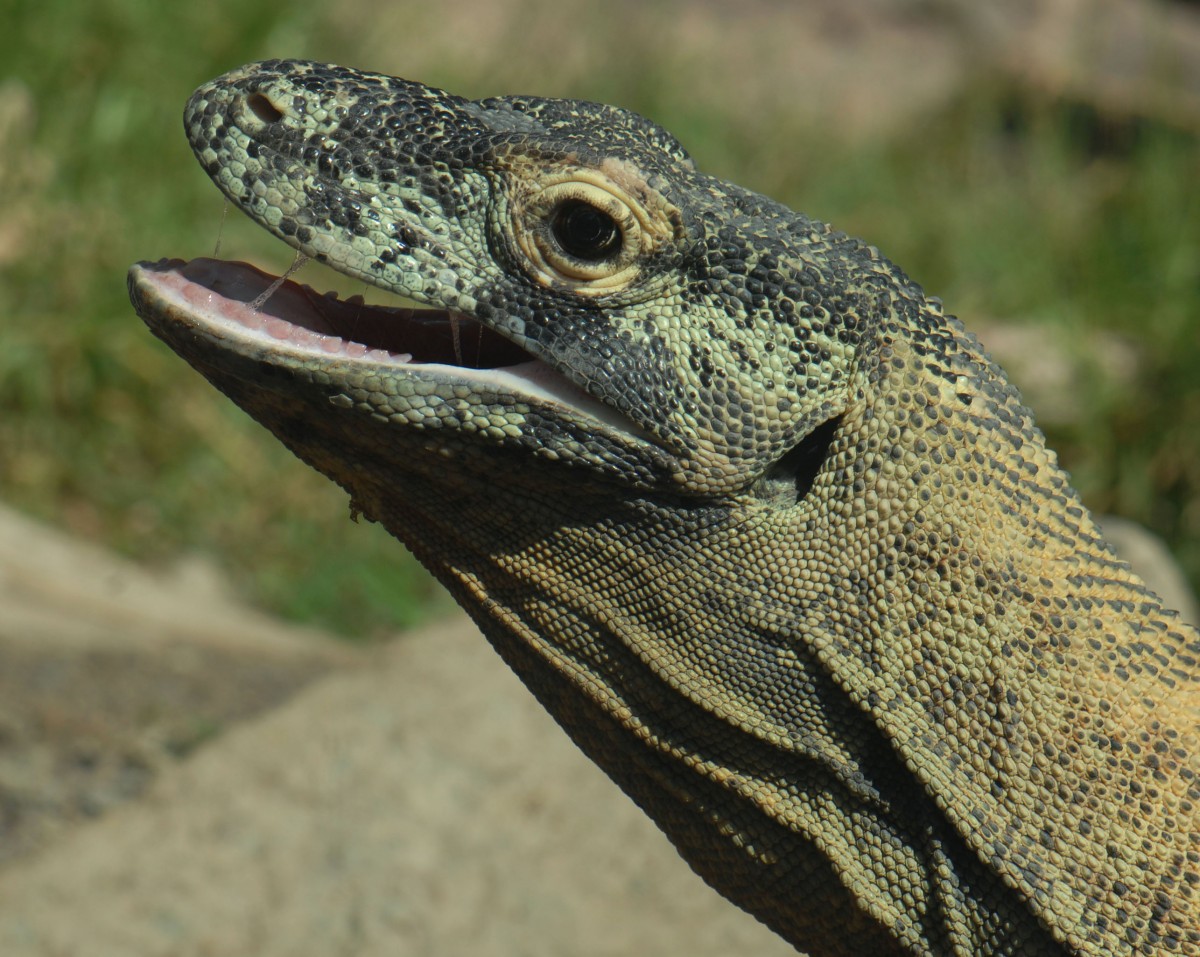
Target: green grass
x: 103, y: 430
x: 1006, y: 205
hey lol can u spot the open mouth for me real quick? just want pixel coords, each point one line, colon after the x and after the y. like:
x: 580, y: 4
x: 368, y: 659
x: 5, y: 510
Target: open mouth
x: 245, y: 304
x: 299, y: 315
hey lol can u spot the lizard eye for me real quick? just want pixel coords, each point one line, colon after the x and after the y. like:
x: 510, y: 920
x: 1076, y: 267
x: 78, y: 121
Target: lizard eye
x: 582, y: 234
x: 585, y: 232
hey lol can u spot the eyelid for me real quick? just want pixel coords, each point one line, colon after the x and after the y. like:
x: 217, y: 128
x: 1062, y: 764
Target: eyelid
x: 647, y: 222
x: 553, y: 264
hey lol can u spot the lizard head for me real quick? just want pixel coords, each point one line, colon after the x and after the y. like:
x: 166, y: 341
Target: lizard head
x: 593, y: 300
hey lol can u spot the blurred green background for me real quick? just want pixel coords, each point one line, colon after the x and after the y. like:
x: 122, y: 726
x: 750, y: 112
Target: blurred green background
x: 1053, y: 206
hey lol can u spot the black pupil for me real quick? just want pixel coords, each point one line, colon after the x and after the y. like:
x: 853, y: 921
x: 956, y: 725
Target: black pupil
x: 585, y: 232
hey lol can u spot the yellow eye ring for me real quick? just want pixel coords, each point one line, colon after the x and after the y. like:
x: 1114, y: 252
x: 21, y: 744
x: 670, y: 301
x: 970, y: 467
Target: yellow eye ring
x: 582, y: 234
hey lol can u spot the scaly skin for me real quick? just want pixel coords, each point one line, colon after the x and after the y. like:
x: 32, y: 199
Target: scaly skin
x: 798, y: 573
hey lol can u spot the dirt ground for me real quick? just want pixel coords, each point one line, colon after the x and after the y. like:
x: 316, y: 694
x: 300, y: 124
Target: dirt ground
x: 180, y: 776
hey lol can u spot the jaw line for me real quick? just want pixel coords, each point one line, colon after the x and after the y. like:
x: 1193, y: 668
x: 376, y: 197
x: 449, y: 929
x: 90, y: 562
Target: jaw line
x: 219, y: 296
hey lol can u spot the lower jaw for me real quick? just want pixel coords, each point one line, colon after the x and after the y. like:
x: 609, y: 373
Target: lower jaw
x: 241, y: 303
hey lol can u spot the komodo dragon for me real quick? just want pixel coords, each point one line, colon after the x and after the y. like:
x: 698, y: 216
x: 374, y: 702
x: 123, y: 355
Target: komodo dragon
x: 761, y: 526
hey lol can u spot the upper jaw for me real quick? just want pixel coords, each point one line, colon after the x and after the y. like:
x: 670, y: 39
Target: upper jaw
x: 393, y: 230
x: 289, y: 193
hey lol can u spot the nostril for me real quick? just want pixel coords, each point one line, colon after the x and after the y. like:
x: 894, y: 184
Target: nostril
x: 263, y: 108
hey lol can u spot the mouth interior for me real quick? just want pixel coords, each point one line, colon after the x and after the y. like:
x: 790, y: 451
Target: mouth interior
x: 413, y: 335
x: 257, y: 308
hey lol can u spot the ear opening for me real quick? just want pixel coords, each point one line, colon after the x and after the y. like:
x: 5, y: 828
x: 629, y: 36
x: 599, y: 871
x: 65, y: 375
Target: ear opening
x: 790, y: 479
